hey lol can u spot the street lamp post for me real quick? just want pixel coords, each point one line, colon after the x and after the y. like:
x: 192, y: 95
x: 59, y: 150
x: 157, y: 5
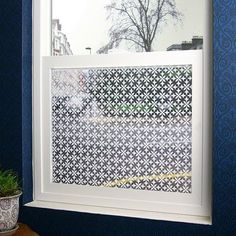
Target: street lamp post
x: 89, y: 48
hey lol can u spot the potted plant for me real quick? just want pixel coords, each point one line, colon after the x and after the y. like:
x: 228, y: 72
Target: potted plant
x: 10, y: 192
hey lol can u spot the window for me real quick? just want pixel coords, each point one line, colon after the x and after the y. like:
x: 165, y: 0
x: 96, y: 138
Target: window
x: 122, y: 127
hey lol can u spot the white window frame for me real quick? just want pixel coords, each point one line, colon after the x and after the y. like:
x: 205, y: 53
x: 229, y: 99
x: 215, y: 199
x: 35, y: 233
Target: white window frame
x: 49, y: 195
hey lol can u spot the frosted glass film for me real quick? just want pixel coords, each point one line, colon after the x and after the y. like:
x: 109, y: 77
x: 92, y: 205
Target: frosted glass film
x: 127, y: 127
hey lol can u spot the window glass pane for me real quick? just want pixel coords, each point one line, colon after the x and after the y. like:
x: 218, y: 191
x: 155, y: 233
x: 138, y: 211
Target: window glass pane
x: 128, y: 127
x: 117, y: 26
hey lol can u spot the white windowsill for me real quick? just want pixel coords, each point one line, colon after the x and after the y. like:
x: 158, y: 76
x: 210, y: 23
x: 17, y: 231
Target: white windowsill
x: 205, y: 220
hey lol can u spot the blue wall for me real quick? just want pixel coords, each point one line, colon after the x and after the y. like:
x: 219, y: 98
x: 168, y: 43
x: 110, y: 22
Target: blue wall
x: 15, y: 104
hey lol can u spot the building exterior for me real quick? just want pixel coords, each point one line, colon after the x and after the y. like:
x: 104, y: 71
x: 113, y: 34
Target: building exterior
x: 195, y: 44
x: 60, y: 44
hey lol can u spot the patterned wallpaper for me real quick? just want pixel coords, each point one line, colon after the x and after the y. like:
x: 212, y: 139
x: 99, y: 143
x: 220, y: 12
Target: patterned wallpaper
x: 224, y: 168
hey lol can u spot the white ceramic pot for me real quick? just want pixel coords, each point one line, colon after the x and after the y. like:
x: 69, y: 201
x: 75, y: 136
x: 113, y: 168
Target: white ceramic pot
x: 9, y: 212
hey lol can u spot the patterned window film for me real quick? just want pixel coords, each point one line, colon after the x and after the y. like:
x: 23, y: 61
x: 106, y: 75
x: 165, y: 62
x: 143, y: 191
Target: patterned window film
x: 123, y: 127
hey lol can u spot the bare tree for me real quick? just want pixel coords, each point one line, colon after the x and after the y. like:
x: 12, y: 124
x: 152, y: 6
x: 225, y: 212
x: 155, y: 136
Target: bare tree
x: 138, y: 21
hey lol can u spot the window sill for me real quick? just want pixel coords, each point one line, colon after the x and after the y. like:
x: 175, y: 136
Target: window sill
x: 205, y: 220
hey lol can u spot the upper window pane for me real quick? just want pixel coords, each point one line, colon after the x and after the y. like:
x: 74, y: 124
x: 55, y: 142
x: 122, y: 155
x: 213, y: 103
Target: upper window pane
x: 117, y: 26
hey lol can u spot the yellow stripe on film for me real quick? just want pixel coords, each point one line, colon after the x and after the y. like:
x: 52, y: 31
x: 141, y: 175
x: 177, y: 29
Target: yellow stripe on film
x: 130, y: 180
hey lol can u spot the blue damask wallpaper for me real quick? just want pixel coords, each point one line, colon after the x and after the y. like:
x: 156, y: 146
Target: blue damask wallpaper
x: 224, y: 168
x: 15, y: 130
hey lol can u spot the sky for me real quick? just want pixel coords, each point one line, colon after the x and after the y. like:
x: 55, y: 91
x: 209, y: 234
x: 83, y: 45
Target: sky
x: 85, y: 24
